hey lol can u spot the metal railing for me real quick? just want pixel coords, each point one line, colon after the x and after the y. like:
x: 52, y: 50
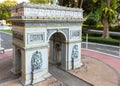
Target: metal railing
x: 108, y: 49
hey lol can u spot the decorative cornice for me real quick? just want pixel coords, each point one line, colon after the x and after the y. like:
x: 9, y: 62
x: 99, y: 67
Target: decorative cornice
x: 45, y: 6
x: 45, y: 19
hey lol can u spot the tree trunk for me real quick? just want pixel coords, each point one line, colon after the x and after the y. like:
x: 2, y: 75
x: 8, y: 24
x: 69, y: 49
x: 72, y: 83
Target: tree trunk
x: 81, y: 3
x: 60, y: 2
x: 75, y: 3
x: 105, y: 28
x: 108, y: 3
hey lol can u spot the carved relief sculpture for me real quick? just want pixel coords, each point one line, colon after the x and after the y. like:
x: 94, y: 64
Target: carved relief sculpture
x: 75, y: 52
x: 36, y: 60
x: 75, y: 33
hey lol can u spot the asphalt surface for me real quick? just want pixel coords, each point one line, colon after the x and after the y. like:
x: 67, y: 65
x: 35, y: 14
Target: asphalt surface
x: 7, y: 40
x: 66, y: 78
x: 5, y: 67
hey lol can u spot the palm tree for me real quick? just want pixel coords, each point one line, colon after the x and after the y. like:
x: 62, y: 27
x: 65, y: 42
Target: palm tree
x: 75, y: 3
x: 108, y: 12
x: 81, y: 3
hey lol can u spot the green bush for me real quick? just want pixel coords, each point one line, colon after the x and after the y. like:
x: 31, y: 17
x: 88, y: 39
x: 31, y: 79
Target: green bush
x: 100, y: 27
x: 94, y: 34
x: 102, y: 40
x: 115, y: 28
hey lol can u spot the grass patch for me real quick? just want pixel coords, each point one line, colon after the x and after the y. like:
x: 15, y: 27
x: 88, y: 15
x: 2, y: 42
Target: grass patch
x: 109, y: 41
x: 7, y: 31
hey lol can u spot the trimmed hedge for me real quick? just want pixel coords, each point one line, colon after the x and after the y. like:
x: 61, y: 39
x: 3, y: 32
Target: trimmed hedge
x: 99, y: 27
x: 102, y: 40
x: 94, y: 34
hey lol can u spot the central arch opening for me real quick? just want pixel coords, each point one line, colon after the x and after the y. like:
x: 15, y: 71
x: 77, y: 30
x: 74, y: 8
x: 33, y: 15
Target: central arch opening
x: 57, y: 50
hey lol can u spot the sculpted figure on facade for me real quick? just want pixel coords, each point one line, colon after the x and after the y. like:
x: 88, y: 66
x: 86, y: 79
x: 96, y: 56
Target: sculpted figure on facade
x: 36, y: 60
x: 75, y: 52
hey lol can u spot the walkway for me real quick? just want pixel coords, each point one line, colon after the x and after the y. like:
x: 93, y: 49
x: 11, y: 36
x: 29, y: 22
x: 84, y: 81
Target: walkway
x: 107, y: 59
x: 7, y: 53
x: 109, y: 49
x: 66, y: 78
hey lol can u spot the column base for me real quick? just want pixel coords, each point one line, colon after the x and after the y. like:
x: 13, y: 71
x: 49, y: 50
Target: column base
x: 31, y: 82
x: 14, y: 71
x: 74, y: 65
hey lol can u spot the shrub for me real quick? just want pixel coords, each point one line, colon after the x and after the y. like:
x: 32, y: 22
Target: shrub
x: 100, y: 27
x: 109, y: 41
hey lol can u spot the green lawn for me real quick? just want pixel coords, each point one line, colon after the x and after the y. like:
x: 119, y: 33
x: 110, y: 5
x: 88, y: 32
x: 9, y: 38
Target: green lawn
x: 6, y: 31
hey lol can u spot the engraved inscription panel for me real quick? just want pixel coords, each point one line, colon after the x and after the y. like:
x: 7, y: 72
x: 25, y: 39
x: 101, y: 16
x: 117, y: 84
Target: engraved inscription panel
x: 35, y: 37
x: 75, y: 33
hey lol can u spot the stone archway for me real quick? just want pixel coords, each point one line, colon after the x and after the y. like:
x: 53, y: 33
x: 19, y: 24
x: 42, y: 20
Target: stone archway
x: 57, y: 51
x: 33, y: 26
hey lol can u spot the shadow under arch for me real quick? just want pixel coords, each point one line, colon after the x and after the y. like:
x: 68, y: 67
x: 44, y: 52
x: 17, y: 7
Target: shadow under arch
x: 56, y: 32
x: 57, y: 50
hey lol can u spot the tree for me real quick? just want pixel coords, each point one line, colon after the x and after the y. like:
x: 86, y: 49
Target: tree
x: 107, y: 15
x: 61, y: 2
x: 81, y: 3
x: 106, y: 10
x: 5, y: 8
x: 76, y: 3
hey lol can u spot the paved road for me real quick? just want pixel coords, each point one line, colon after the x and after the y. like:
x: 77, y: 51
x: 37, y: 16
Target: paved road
x: 7, y: 40
x: 113, y: 50
x: 67, y: 78
x: 5, y: 67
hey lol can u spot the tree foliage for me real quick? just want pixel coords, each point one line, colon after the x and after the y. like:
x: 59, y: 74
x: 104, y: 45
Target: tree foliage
x: 5, y: 8
x: 106, y: 12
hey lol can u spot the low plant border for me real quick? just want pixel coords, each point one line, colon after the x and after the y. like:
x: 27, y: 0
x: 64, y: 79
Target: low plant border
x: 109, y: 41
x: 6, y: 31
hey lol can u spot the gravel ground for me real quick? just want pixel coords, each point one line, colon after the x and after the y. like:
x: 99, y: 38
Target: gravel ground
x: 97, y: 73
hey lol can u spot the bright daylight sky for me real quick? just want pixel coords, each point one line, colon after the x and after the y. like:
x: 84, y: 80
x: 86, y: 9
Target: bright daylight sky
x: 19, y: 1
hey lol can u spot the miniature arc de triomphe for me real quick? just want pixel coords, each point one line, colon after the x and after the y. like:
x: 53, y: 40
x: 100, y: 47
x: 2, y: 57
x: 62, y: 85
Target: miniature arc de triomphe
x: 44, y: 34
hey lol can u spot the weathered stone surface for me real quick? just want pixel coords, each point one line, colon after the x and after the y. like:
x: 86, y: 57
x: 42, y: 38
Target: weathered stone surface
x: 43, y: 34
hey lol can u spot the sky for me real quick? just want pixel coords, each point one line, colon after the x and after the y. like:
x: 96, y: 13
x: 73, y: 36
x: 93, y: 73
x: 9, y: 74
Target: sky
x: 19, y: 1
